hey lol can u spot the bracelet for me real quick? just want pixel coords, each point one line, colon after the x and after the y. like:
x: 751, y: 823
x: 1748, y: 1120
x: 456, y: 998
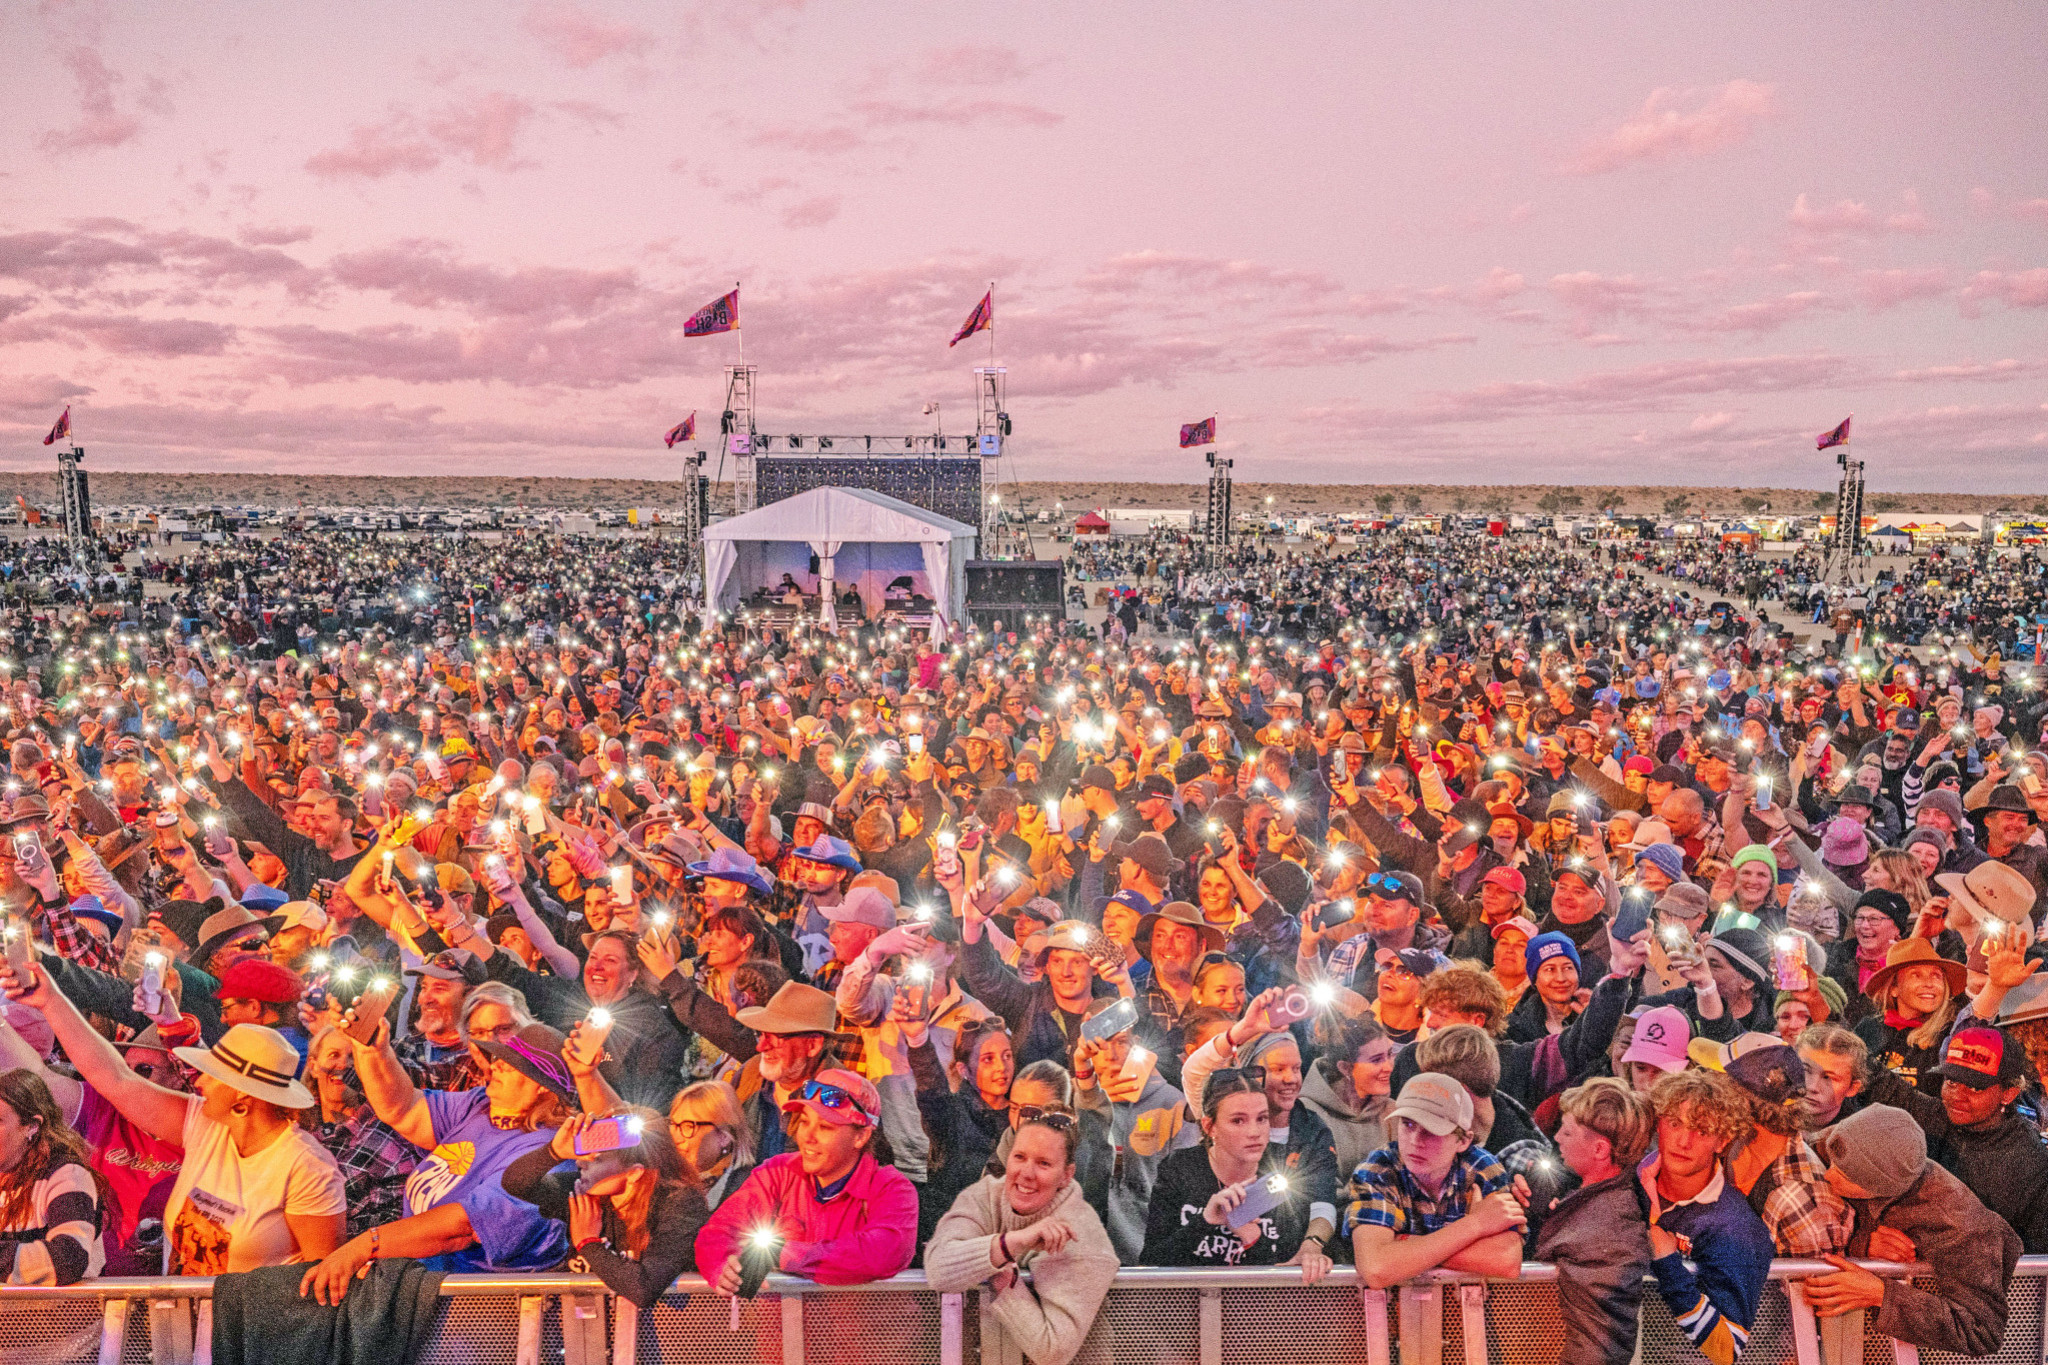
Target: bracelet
x: 1003, y: 1245
x: 376, y: 1240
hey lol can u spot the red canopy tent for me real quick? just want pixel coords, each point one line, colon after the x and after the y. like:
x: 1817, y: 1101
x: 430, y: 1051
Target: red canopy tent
x: 1091, y: 524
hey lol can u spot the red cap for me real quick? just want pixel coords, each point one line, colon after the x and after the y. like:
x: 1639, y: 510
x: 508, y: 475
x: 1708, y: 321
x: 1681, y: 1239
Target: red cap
x: 1638, y: 763
x: 261, y: 980
x: 1509, y: 879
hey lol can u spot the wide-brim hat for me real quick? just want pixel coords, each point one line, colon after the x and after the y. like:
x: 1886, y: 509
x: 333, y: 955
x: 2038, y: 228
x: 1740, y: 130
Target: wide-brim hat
x: 730, y: 865
x: 2005, y: 796
x: 255, y: 1060
x: 1993, y: 890
x: 1910, y: 952
x: 1178, y: 912
x: 795, y: 1008
x: 225, y: 924
x: 535, y: 1052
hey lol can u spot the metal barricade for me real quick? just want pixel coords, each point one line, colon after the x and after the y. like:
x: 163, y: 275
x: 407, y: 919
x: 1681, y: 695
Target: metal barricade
x: 1249, y: 1316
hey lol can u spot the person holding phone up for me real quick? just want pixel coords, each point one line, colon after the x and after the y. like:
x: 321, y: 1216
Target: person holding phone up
x: 1132, y: 1119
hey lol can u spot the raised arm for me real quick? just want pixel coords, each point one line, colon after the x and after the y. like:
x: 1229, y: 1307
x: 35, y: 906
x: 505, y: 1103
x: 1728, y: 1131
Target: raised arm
x: 391, y: 1092
x: 157, y: 1111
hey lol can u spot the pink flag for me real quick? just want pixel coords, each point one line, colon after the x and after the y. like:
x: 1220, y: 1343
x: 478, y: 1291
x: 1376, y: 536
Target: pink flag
x: 981, y: 319
x: 61, y: 430
x: 1202, y: 433
x: 685, y: 430
x: 1838, y: 437
x: 722, y: 314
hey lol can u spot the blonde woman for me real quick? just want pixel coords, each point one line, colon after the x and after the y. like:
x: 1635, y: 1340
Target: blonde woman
x: 710, y: 1131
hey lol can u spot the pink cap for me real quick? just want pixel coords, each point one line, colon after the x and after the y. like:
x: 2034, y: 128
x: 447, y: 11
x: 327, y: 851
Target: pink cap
x: 1660, y: 1039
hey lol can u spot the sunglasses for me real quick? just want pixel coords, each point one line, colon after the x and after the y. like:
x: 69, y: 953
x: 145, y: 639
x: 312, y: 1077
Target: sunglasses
x: 1059, y: 1120
x: 1387, y: 882
x: 832, y: 1097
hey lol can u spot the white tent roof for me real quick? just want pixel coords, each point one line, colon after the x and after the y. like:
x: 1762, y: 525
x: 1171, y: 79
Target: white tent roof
x: 842, y: 514
x: 862, y: 540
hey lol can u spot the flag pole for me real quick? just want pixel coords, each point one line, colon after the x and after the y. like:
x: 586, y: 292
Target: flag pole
x: 738, y: 328
x: 991, y: 323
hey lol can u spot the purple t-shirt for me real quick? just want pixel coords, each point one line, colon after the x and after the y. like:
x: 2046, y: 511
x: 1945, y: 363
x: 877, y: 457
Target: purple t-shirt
x: 467, y: 1167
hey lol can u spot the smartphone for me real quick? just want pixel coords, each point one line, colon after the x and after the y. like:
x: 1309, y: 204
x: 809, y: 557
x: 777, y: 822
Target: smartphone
x: 536, y: 820
x: 1052, y: 817
x: 597, y: 1025
x: 371, y: 1006
x: 1788, y: 962
x: 1138, y: 1065
x: 760, y: 1254
x: 916, y: 743
x: 917, y: 990
x: 1763, y: 793
x: 152, y: 982
x: 945, y: 857
x: 622, y: 882
x: 1112, y: 1021
x: 610, y: 1135
x: 1261, y: 1199
x: 1289, y: 1008
x: 1634, y: 915
x: 1336, y: 913
x: 2030, y: 784
x: 1679, y: 946
x: 19, y: 952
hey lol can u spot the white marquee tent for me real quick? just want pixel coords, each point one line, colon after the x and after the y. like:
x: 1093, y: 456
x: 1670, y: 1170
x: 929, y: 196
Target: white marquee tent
x: 861, y: 538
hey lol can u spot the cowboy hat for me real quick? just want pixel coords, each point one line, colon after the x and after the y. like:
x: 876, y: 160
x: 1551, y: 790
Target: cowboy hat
x: 1909, y: 952
x: 255, y: 1060
x: 1178, y: 912
x: 1994, y: 890
x: 796, y: 1008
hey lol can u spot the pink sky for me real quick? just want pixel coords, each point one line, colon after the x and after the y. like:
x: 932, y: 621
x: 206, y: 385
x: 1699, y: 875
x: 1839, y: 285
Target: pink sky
x: 1573, y: 243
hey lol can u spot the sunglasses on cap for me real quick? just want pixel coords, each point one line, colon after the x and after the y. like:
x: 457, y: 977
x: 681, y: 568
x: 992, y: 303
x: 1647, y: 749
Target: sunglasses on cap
x: 1057, y: 1119
x: 1389, y: 885
x: 832, y: 1097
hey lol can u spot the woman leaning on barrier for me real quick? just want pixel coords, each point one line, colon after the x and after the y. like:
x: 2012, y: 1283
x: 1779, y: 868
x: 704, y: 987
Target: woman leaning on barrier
x: 633, y: 1210
x: 1029, y: 1239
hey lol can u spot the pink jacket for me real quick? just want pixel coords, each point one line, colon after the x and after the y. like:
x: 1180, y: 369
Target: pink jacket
x: 869, y: 1232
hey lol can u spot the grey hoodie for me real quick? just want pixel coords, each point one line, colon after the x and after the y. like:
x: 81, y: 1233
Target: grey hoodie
x: 1121, y: 1148
x: 1359, y: 1130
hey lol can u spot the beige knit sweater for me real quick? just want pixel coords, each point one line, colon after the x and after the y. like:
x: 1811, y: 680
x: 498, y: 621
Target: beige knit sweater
x: 1045, y: 1315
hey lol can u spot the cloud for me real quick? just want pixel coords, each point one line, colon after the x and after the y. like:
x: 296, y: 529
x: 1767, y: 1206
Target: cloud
x: 1851, y: 218
x: 157, y: 338
x: 1678, y: 125
x: 2016, y: 289
x: 35, y: 392
x: 813, y: 212
x: 426, y: 274
x: 100, y: 125
x: 958, y: 113
x: 1500, y: 283
x: 581, y: 39
x: 1766, y: 315
x: 1709, y: 422
x: 1192, y: 276
x: 481, y: 129
x: 1997, y: 370
x: 970, y: 64
x: 814, y: 139
x: 2031, y: 210
x: 1888, y: 288
x: 92, y: 252
x: 275, y: 235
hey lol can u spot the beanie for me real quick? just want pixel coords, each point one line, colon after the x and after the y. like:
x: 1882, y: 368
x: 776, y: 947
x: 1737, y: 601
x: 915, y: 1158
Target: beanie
x: 1881, y: 1148
x: 1544, y: 947
x: 1893, y: 905
x: 1754, y: 853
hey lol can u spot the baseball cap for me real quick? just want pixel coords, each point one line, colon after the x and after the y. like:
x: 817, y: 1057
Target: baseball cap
x: 1508, y: 879
x: 1717, y: 1056
x: 456, y: 964
x: 839, y: 1097
x: 1660, y: 1039
x: 863, y: 905
x: 1097, y: 775
x: 1418, y: 962
x: 1520, y: 924
x: 1436, y: 1102
x: 1980, y: 1057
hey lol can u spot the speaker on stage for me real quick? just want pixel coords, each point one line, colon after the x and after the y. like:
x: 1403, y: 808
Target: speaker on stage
x: 1002, y: 592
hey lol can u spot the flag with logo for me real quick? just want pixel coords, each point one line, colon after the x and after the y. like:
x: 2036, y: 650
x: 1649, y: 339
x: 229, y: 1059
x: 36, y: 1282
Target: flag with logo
x: 982, y: 319
x: 61, y: 430
x: 685, y: 430
x: 1202, y: 433
x: 1838, y: 437
x: 722, y: 314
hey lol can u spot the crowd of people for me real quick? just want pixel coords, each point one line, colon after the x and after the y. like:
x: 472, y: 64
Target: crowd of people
x: 1426, y: 903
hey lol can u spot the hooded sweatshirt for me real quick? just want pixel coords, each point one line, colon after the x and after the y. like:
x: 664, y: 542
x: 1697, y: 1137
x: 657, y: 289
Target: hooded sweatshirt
x: 1359, y: 1128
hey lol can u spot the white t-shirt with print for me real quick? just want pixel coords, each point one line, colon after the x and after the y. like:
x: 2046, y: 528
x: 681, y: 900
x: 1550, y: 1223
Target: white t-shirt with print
x: 227, y: 1211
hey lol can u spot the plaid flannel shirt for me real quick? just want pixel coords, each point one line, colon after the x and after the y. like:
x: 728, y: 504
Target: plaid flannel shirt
x: 1801, y: 1211
x: 74, y: 941
x: 375, y: 1162
x: 1384, y: 1195
x: 436, y: 1068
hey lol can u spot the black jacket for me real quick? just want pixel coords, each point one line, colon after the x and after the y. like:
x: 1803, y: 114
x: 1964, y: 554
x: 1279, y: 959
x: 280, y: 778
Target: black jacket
x: 2005, y: 1164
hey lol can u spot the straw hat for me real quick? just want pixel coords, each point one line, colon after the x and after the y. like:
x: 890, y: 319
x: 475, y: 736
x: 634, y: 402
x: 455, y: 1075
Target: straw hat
x: 1908, y: 952
x: 255, y: 1060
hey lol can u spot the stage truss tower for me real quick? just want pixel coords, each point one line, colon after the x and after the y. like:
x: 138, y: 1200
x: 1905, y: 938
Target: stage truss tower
x: 1218, y: 528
